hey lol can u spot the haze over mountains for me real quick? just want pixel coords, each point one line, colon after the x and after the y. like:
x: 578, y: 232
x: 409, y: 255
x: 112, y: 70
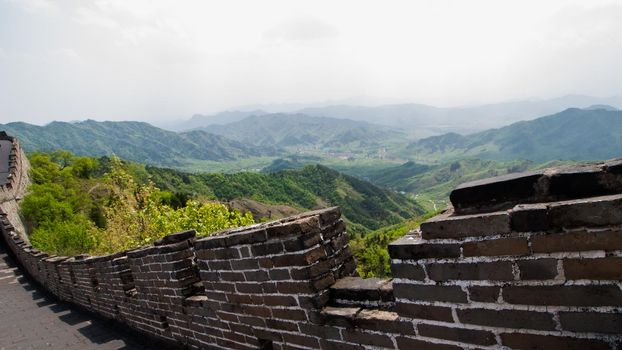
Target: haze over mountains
x: 421, y: 120
x: 287, y: 130
x: 571, y: 134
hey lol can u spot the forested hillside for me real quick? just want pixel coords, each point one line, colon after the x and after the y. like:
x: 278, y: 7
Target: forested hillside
x: 137, y: 141
x: 365, y: 206
x: 574, y: 134
x: 81, y: 205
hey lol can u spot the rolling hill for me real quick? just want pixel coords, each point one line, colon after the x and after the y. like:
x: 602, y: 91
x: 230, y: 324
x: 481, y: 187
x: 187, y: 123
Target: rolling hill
x: 136, y: 141
x: 424, y: 120
x: 573, y: 134
x: 299, y: 130
x: 364, y: 205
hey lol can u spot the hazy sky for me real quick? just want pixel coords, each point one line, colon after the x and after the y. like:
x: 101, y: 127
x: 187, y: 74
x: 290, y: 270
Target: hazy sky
x: 156, y: 60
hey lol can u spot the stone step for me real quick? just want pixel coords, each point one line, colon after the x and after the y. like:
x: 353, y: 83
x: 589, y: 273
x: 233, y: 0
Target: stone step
x: 374, y: 293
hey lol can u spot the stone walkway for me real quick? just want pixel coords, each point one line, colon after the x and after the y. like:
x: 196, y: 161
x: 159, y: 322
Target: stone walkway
x: 30, y: 318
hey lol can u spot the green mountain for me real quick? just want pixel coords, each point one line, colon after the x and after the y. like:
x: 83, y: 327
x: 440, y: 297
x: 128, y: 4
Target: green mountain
x: 365, y: 206
x: 137, y: 141
x: 299, y: 130
x: 574, y: 134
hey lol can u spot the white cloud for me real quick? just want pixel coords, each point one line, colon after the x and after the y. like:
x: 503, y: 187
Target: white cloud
x: 158, y: 59
x: 301, y: 29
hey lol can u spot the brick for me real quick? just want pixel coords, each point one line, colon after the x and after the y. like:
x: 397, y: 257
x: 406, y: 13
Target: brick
x: 426, y: 312
x: 358, y: 337
x: 529, y: 218
x: 279, y: 274
x: 496, y: 247
x: 591, y: 322
x: 537, y: 269
x: 257, y: 276
x: 329, y: 216
x: 507, y: 318
x: 592, y: 295
x: 497, y: 271
x: 496, y: 192
x: 607, y: 240
x: 302, y: 242
x: 289, y: 314
x: 320, y: 331
x: 407, y: 271
x: 484, y: 294
x: 282, y: 325
x: 244, y: 264
x: 459, y: 226
x: 302, y: 340
x: 545, y: 342
x: 578, y: 182
x: 356, y: 288
x: 294, y: 287
x: 417, y: 292
x: 457, y: 334
x: 597, y: 211
x: 386, y: 321
x: 410, y: 247
x: 299, y: 259
x: 340, y: 316
x: 338, y: 345
x: 412, y: 343
x: 609, y: 268
x: 267, y: 248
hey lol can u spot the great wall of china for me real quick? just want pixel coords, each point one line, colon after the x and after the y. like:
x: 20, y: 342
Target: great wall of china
x: 527, y: 261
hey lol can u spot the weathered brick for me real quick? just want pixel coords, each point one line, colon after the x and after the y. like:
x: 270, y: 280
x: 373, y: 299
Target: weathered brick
x: 411, y: 247
x: 457, y: 334
x: 417, y: 292
x: 487, y: 294
x: 294, y: 287
x: 507, y: 318
x: 591, y: 322
x: 426, y: 312
x: 529, y: 217
x: 356, y: 288
x: 496, y: 192
x: 609, y: 268
x: 340, y: 316
x: 545, y: 342
x: 320, y: 331
x: 407, y: 271
x: 598, y: 211
x: 268, y: 248
x: 537, y: 269
x: 338, y: 345
x: 592, y: 295
x: 289, y: 314
x: 386, y: 321
x: 495, y: 247
x: 498, y: 271
x: 358, y: 337
x: 244, y: 264
x: 607, y: 240
x: 412, y: 343
x: 447, y: 226
x: 302, y: 340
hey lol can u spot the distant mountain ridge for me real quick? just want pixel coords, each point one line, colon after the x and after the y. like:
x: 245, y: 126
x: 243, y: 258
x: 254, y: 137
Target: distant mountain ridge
x: 418, y: 119
x: 292, y: 130
x: 573, y: 134
x: 136, y: 141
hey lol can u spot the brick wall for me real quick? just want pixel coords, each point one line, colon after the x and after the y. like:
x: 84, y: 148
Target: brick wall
x: 542, y: 275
